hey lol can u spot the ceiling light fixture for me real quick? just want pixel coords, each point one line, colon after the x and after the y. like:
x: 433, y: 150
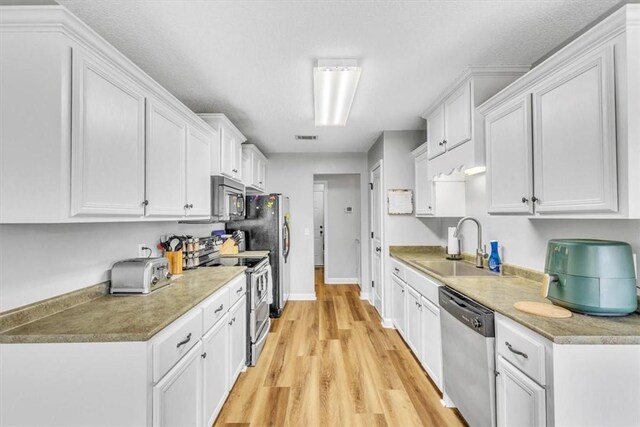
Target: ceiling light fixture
x: 334, y: 86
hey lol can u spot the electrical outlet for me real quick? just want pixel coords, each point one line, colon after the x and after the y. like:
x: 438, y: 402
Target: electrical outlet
x: 143, y: 253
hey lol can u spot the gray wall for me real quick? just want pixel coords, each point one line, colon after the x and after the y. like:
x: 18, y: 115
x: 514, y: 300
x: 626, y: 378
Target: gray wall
x: 39, y: 261
x: 292, y: 175
x: 342, y: 254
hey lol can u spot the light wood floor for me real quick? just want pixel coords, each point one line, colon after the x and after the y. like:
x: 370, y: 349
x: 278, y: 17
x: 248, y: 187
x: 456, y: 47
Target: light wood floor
x: 330, y: 362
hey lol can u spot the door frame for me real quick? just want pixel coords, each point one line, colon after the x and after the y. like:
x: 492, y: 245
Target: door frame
x: 378, y: 164
x: 325, y: 228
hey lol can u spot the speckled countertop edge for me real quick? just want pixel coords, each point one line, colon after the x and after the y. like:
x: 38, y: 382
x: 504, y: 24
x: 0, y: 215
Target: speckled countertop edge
x: 499, y: 293
x: 128, y: 318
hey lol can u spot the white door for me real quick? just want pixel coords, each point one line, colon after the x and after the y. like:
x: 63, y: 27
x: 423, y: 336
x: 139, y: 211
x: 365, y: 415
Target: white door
x: 435, y: 133
x: 457, y: 117
x: 166, y: 140
x: 398, y: 303
x: 519, y: 400
x: 376, y: 237
x: 510, y: 158
x: 227, y: 153
x: 107, y: 149
x: 574, y: 140
x: 413, y: 327
x: 215, y: 373
x: 177, y: 397
x: 318, y: 223
x: 431, y: 341
x: 237, y: 338
x: 424, y: 194
x: 198, y: 199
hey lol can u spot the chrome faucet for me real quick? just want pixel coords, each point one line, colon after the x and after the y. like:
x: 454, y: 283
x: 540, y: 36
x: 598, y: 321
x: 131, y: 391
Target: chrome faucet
x: 481, y: 252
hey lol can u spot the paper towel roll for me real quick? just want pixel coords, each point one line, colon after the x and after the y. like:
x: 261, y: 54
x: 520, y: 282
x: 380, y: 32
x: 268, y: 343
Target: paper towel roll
x: 453, y: 244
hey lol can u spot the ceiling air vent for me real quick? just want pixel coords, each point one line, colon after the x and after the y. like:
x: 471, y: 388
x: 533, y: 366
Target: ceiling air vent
x: 307, y: 137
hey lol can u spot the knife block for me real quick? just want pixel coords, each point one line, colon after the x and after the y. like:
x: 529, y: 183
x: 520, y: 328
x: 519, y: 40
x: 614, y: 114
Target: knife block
x: 229, y: 247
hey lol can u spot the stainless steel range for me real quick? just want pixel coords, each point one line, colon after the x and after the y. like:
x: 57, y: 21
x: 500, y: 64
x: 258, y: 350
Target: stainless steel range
x: 258, y: 291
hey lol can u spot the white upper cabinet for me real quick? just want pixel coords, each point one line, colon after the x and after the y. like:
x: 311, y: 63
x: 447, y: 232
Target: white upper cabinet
x: 254, y: 168
x: 423, y: 194
x: 436, y: 132
x: 107, y: 150
x: 226, y: 152
x: 575, y: 138
x: 166, y: 145
x: 573, y: 155
x: 198, y: 196
x: 509, y: 158
x: 457, y: 116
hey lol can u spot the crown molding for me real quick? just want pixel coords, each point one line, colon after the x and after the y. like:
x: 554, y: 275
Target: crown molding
x: 219, y: 118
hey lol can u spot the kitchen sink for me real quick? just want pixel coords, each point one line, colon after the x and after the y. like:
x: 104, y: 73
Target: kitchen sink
x: 457, y: 269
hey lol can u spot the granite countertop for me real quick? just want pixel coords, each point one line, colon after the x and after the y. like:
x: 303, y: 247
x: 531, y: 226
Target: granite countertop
x: 110, y: 318
x: 248, y: 254
x: 499, y: 293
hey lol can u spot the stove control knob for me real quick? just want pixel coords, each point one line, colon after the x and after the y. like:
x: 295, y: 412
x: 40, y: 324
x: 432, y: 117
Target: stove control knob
x: 476, y: 323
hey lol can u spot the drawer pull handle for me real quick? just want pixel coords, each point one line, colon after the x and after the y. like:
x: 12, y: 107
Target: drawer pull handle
x: 239, y: 290
x: 184, y: 341
x: 397, y: 270
x: 219, y: 309
x: 203, y: 355
x: 514, y: 351
x: 232, y: 320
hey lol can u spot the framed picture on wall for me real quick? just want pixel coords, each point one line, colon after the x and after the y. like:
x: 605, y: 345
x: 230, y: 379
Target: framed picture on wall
x: 400, y: 202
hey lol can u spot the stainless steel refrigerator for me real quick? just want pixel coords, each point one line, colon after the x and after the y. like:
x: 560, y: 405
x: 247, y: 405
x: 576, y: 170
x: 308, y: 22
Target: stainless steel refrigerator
x: 267, y: 227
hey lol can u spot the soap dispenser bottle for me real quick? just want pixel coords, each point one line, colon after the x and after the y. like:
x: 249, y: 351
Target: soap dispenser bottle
x: 494, y: 258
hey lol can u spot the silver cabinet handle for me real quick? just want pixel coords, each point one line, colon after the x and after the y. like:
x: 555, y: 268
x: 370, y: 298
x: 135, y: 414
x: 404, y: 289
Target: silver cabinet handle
x: 203, y: 355
x: 397, y: 270
x: 219, y: 309
x: 184, y: 341
x: 239, y: 290
x: 514, y: 351
x: 525, y: 200
x: 534, y: 199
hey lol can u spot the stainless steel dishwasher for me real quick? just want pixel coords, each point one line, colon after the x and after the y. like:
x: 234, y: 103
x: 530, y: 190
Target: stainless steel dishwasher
x: 468, y: 357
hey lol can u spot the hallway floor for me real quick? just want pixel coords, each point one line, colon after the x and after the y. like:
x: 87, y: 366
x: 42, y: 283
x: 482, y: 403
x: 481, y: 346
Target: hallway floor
x: 330, y: 362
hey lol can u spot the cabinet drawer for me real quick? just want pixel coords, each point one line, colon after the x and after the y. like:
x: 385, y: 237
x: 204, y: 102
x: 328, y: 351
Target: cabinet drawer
x: 426, y: 286
x: 522, y: 347
x: 175, y: 341
x: 237, y: 288
x: 398, y: 269
x: 214, y: 308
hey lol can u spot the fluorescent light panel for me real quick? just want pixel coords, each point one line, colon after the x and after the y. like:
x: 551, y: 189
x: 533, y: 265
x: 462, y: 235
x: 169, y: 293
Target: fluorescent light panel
x: 334, y: 86
x: 475, y: 170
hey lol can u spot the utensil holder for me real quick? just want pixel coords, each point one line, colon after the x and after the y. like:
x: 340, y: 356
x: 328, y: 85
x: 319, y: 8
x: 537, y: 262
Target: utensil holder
x: 175, y: 261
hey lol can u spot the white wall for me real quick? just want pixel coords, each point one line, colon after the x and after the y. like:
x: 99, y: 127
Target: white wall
x: 342, y: 254
x: 292, y: 175
x: 525, y: 240
x: 44, y: 260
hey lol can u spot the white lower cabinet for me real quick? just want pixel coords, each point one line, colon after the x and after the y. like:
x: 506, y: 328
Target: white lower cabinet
x: 413, y: 330
x: 177, y: 397
x: 520, y: 401
x: 431, y: 356
x: 398, y: 303
x: 215, y: 373
x: 238, y: 338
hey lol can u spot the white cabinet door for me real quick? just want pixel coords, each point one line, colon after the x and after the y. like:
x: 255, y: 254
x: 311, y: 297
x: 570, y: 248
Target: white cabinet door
x: 215, y: 373
x: 457, y: 117
x: 166, y: 140
x: 413, y: 326
x: 519, y: 400
x: 574, y: 140
x: 258, y: 172
x: 198, y: 198
x: 177, y: 397
x: 237, y: 160
x: 431, y: 356
x: 424, y: 200
x: 237, y: 338
x: 227, y: 153
x: 435, y: 133
x: 247, y: 168
x: 107, y: 148
x: 398, y: 303
x: 510, y: 158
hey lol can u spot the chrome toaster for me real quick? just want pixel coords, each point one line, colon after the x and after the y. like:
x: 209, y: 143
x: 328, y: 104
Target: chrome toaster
x: 139, y: 275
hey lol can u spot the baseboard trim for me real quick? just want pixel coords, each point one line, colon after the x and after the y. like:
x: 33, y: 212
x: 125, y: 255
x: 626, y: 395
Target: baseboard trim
x: 364, y: 296
x: 387, y: 323
x: 302, y: 297
x: 342, y: 281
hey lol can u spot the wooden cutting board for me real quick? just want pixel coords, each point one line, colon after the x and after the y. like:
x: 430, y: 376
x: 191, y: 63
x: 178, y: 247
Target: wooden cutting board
x: 542, y: 309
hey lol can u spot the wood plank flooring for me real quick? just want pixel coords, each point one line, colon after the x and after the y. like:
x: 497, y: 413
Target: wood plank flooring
x: 331, y: 363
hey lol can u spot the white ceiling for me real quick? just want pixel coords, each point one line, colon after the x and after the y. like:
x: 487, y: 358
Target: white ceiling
x: 252, y: 60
